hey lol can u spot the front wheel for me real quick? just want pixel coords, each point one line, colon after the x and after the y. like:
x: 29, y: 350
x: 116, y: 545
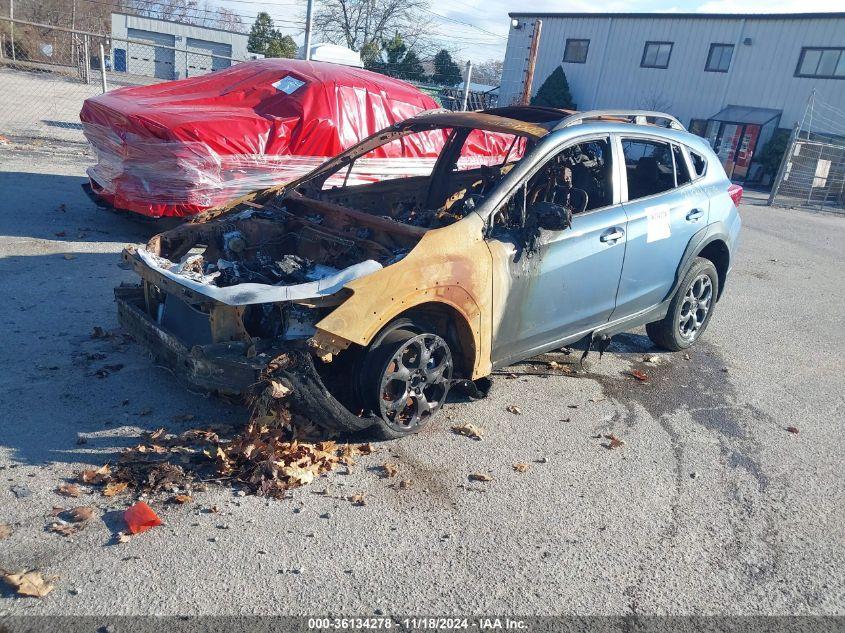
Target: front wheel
x: 690, y: 309
x: 407, y: 379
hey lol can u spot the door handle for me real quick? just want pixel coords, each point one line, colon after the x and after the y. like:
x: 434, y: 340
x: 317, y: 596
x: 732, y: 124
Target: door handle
x: 611, y: 235
x: 695, y: 215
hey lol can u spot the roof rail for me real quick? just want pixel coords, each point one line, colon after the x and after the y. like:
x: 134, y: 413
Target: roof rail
x: 639, y: 117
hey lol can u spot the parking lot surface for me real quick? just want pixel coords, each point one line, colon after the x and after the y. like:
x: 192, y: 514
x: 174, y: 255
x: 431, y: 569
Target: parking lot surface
x: 710, y: 505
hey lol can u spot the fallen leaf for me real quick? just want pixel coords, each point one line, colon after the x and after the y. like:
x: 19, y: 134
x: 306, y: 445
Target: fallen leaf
x: 479, y: 477
x: 114, y: 488
x: 366, y: 449
x: 793, y: 429
x: 512, y: 408
x: 357, y: 500
x: 69, y: 490
x: 389, y: 470
x: 5, y: 531
x: 28, y: 583
x: 97, y: 476
x: 468, y: 430
x: 406, y: 484
x: 277, y: 389
x: 639, y: 375
x: 652, y: 359
x: 554, y: 364
x: 180, y: 499
x: 66, y: 529
x: 520, y: 467
x: 297, y: 476
x: 80, y: 514
x: 613, y: 442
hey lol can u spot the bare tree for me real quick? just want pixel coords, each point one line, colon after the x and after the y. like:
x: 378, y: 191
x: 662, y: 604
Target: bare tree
x: 488, y: 72
x: 363, y: 25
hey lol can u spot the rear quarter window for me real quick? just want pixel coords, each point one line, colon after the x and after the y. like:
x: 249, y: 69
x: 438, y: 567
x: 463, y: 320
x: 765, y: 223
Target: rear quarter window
x: 699, y: 164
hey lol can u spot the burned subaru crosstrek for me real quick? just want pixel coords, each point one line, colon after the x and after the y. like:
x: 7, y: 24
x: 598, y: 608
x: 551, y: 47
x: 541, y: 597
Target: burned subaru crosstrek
x: 367, y: 299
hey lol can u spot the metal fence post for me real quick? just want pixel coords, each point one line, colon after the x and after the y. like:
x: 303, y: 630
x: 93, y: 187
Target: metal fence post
x: 787, y: 156
x: 103, y: 67
x: 466, y: 85
x: 12, y: 26
x: 86, y: 60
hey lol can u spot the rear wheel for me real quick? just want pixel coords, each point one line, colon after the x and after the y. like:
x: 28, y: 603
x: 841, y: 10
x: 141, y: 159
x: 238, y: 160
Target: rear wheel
x: 407, y: 376
x: 690, y: 309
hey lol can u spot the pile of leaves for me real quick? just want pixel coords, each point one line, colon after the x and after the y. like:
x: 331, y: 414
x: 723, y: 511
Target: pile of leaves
x: 261, y: 459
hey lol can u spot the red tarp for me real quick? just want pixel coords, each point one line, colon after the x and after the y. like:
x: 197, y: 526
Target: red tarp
x: 177, y: 148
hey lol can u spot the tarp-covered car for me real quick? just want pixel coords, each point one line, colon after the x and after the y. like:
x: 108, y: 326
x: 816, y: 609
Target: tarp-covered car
x: 362, y: 303
x: 180, y: 147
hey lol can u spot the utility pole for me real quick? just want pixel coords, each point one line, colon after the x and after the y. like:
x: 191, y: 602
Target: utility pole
x: 308, y: 18
x: 466, y: 85
x: 532, y: 61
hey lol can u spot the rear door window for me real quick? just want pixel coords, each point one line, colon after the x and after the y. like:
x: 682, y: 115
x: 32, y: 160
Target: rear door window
x: 650, y: 167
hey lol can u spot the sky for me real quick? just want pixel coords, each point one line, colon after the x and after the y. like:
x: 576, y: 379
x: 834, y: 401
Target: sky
x: 478, y: 29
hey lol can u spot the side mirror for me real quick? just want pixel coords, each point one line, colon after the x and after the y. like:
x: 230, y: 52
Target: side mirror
x: 550, y: 216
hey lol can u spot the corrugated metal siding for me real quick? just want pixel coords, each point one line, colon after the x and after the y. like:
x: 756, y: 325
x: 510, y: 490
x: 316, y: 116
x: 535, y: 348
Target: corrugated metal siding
x: 761, y: 75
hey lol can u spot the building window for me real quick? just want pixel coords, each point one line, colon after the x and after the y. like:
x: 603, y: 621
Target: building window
x: 719, y: 58
x: 656, y: 54
x: 576, y: 51
x: 821, y: 62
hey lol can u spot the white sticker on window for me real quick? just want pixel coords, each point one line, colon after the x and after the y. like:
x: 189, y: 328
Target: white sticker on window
x: 658, y: 223
x: 288, y: 84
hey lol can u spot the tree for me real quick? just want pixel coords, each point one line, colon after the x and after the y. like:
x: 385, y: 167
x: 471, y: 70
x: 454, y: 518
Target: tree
x: 265, y: 39
x: 393, y: 58
x: 281, y: 46
x: 488, y: 72
x: 410, y: 68
x: 772, y: 153
x: 446, y: 72
x: 261, y: 34
x: 365, y: 25
x: 554, y: 92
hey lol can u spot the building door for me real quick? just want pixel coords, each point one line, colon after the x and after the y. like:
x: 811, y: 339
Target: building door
x: 151, y: 54
x: 205, y: 57
x: 734, y: 144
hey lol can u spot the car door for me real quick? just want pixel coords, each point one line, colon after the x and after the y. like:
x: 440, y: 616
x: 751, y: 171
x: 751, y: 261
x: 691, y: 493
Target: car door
x: 664, y: 209
x: 563, y: 285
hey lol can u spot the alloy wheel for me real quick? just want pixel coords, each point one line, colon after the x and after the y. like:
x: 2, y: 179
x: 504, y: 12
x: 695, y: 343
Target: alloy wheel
x: 695, y: 307
x: 415, y: 381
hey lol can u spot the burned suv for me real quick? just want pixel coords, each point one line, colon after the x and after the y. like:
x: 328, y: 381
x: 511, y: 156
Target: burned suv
x: 365, y: 301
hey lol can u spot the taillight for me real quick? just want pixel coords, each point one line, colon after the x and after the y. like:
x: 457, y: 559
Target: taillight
x: 735, y: 192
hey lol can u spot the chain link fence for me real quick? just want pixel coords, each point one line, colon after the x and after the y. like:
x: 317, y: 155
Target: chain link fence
x: 812, y: 173
x: 47, y: 72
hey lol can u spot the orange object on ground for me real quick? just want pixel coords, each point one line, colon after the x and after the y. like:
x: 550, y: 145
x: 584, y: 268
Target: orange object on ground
x: 140, y: 518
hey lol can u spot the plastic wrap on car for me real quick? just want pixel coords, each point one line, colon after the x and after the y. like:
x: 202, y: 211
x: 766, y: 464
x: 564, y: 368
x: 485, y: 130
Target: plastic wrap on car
x: 179, y: 148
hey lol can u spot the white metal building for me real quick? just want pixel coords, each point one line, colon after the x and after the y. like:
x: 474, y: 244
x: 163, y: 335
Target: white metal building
x: 731, y: 78
x: 172, y: 50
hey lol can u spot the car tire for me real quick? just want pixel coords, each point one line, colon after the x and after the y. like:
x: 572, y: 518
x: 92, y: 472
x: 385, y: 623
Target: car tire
x: 690, y: 309
x: 406, y: 376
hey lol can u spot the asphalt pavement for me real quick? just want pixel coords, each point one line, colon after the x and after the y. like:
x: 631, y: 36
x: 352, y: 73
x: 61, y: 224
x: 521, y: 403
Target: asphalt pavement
x: 709, y: 506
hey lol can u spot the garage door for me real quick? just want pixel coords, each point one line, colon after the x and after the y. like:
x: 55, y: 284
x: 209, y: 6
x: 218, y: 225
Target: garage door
x: 205, y: 56
x: 151, y: 55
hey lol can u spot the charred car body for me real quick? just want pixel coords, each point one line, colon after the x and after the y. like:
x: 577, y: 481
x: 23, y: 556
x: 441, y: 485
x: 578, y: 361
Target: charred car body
x: 368, y: 300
